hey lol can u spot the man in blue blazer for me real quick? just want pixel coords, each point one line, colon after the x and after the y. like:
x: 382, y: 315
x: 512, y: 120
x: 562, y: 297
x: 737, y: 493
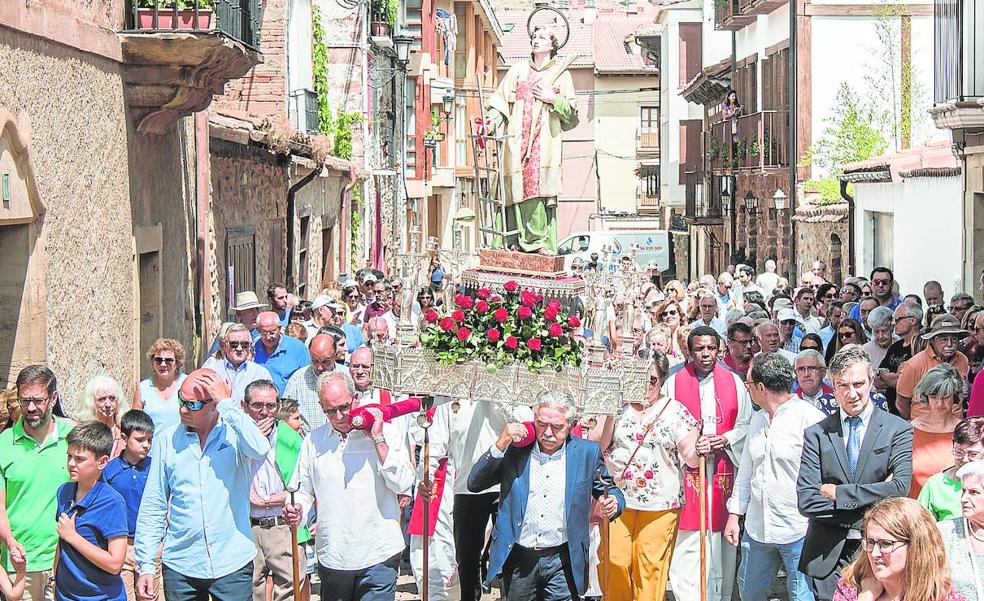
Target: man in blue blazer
x: 540, y: 540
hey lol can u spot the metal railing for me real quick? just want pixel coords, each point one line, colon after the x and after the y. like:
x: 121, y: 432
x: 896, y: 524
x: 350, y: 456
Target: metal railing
x: 760, y: 142
x: 237, y: 19
x: 958, y: 71
x: 648, y: 201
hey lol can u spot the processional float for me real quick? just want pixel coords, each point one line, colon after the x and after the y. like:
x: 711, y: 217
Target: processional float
x: 515, y: 323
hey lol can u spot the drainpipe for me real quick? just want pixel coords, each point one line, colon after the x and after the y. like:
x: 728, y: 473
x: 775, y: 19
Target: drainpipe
x: 850, y: 224
x: 291, y: 194
x: 202, y: 293
x: 793, y: 153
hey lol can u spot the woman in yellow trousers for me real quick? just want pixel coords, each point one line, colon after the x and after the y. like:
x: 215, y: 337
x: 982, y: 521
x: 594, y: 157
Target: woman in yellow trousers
x: 643, y: 446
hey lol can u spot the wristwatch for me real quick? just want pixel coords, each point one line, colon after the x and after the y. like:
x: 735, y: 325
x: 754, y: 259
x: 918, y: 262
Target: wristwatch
x: 379, y: 440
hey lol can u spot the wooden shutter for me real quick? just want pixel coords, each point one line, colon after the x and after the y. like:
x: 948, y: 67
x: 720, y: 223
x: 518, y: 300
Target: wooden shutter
x: 690, y: 51
x: 690, y: 154
x: 241, y: 259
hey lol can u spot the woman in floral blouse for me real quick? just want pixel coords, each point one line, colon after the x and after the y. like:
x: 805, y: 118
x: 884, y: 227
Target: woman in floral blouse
x: 644, y: 445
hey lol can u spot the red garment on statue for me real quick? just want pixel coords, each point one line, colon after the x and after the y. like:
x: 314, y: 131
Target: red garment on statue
x: 721, y: 472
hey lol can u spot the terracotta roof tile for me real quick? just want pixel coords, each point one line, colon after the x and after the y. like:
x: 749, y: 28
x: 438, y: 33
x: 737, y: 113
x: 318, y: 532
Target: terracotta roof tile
x: 614, y: 44
x: 516, y: 43
x: 935, y: 155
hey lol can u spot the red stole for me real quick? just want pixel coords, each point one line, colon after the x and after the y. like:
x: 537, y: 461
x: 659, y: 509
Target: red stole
x: 437, y: 492
x: 721, y: 475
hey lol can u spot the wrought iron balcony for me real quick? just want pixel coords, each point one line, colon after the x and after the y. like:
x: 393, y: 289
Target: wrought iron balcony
x: 178, y: 54
x: 760, y: 143
x: 237, y: 19
x: 959, y: 64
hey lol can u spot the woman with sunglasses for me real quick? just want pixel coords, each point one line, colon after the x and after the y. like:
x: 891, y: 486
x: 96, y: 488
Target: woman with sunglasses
x: 903, y: 557
x: 353, y: 304
x: 157, y: 396
x: 646, y: 446
x: 848, y: 332
x: 670, y: 312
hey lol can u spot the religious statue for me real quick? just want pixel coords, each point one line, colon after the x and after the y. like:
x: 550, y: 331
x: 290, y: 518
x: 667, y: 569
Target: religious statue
x: 535, y: 102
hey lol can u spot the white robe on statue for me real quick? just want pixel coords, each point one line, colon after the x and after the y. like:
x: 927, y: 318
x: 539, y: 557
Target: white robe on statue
x: 721, y: 556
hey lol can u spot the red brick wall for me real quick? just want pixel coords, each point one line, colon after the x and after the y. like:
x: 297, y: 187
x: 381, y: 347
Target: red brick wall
x: 263, y: 91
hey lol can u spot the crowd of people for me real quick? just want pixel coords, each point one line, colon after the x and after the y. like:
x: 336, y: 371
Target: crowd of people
x: 831, y: 432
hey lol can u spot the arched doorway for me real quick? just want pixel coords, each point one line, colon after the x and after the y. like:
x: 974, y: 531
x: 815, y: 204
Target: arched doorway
x: 22, y: 323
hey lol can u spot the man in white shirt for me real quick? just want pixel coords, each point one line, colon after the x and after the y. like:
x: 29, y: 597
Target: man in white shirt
x: 354, y: 477
x: 267, y: 494
x: 769, y: 279
x: 765, y: 488
x: 771, y: 342
x: 707, y: 308
x: 235, y: 365
x: 540, y: 543
x: 717, y: 397
x: 475, y: 426
x: 303, y: 385
x: 804, y: 302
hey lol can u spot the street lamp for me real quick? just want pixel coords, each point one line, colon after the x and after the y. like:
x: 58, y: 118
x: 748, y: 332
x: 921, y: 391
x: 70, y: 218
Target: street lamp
x: 403, y: 43
x: 725, y: 203
x: 447, y: 102
x: 780, y: 200
x: 751, y: 203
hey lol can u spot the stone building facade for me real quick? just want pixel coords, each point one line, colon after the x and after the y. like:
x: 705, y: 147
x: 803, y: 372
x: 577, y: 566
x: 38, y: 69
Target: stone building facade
x: 822, y: 234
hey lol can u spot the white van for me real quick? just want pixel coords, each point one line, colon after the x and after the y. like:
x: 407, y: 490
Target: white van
x: 653, y: 246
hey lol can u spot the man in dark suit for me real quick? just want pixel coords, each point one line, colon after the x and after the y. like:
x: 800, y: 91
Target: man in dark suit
x: 540, y: 541
x: 852, y: 459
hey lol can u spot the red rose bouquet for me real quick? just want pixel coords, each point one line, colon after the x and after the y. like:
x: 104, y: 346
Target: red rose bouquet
x: 500, y: 330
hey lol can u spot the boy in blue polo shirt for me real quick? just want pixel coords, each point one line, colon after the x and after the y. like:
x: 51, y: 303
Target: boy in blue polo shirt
x: 91, y: 522
x: 127, y: 474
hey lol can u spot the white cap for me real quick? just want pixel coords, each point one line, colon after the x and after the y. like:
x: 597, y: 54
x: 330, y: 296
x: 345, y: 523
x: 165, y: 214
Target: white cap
x: 322, y: 300
x: 789, y: 315
x: 369, y: 278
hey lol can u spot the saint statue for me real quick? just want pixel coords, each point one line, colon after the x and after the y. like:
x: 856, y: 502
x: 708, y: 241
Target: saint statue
x: 536, y: 104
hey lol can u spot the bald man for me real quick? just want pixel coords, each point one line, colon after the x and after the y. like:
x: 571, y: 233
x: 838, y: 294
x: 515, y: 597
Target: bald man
x: 201, y: 515
x: 281, y: 355
x: 302, y: 386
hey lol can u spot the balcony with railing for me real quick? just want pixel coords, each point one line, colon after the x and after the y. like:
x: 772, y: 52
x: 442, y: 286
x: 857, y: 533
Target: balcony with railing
x: 302, y: 110
x: 730, y: 16
x: 959, y: 64
x: 699, y: 209
x: 647, y: 142
x: 760, y: 143
x: 179, y: 53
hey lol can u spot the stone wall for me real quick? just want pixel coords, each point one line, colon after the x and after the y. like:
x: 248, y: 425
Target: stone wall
x: 78, y: 133
x: 821, y: 241
x: 163, y: 192
x: 249, y: 189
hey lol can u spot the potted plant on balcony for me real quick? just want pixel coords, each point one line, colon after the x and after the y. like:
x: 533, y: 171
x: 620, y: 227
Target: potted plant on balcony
x: 383, y: 17
x: 182, y: 19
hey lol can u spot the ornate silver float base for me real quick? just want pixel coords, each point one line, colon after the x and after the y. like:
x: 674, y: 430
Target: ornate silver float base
x: 596, y: 390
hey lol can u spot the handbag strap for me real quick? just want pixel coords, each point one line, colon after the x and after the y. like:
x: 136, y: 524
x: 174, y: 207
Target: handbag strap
x: 645, y: 433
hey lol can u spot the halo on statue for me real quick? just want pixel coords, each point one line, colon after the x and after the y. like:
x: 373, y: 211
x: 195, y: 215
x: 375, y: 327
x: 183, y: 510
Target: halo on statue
x: 550, y: 17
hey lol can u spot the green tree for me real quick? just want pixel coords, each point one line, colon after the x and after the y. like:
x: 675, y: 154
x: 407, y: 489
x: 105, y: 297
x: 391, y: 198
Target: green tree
x: 851, y: 135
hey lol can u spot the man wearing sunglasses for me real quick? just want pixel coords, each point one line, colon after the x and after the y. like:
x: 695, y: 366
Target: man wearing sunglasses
x: 353, y: 477
x: 235, y: 365
x: 882, y: 280
x: 944, y: 337
x: 197, y: 498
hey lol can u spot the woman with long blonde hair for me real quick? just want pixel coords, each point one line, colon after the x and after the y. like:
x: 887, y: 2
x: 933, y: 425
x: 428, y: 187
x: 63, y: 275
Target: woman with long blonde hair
x: 903, y: 558
x: 103, y: 400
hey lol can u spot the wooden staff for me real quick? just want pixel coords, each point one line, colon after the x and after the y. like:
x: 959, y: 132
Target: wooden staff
x: 294, y: 554
x: 425, y: 570
x: 702, y: 484
x: 605, y: 542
